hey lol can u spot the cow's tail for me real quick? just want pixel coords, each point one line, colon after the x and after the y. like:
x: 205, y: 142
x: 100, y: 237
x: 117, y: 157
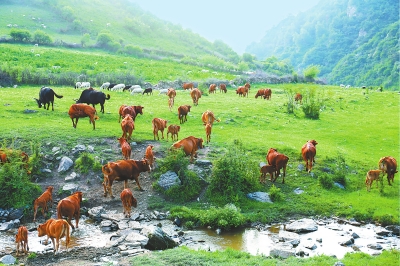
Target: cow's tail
x: 67, y: 235
x: 106, y: 169
x: 108, y: 97
x: 59, y: 216
x: 58, y: 96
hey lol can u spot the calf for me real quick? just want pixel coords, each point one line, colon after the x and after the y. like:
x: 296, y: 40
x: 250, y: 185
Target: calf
x: 42, y: 201
x: 159, y: 124
x: 222, y: 87
x: 125, y: 148
x: 70, y: 207
x: 149, y: 156
x: 208, y: 132
x: 267, y: 94
x: 308, y: 152
x: 183, y: 110
x: 388, y: 165
x: 298, y: 98
x: 174, y: 130
x: 127, y: 126
x: 260, y: 93
x: 128, y: 201
x: 267, y: 169
x: 371, y: 176
x: 212, y: 88
x: 21, y: 238
x: 79, y: 110
x: 278, y: 161
x: 55, y: 230
x: 46, y: 96
x: 188, y: 86
x: 196, y: 95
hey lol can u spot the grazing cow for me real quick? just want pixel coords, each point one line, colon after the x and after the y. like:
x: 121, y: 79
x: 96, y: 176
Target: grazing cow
x: 79, y: 110
x: 70, y: 207
x: 388, y: 165
x: 147, y: 91
x: 46, y: 96
x: 208, y: 117
x: 190, y: 145
x: 308, y: 152
x: 196, y: 95
x: 174, y: 130
x: 278, y: 161
x: 137, y: 91
x: 188, y: 86
x: 85, y: 85
x: 260, y: 93
x: 163, y: 91
x: 267, y: 169
x: 371, y: 176
x: 43, y: 201
x: 93, y: 97
x: 127, y: 126
x: 241, y: 91
x: 125, y: 148
x: 118, y: 87
x: 6, y: 155
x: 222, y: 87
x: 77, y: 85
x: 123, y: 170
x: 112, y: 85
x: 183, y: 110
x: 128, y: 87
x: 267, y: 94
x: 21, y: 238
x: 298, y: 98
x: 208, y: 132
x: 128, y: 200
x: 171, y: 93
x: 133, y: 111
x: 159, y: 124
x: 105, y: 86
x: 149, y: 156
x: 55, y: 229
x: 212, y: 88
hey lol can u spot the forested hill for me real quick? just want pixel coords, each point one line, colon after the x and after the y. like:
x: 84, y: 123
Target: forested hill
x: 353, y: 41
x: 117, y: 25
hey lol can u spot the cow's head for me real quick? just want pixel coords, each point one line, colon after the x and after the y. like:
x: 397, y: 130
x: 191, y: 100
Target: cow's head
x: 39, y: 102
x: 146, y: 165
x: 313, y: 142
x: 200, y: 143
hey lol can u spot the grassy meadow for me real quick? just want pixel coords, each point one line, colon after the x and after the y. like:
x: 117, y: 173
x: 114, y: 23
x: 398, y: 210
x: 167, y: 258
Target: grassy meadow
x: 351, y: 127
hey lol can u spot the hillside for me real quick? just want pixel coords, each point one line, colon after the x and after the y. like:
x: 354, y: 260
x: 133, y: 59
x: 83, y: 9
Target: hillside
x: 334, y: 30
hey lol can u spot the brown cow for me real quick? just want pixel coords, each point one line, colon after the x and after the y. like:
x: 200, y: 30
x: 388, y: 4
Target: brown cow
x: 246, y: 89
x: 260, y: 93
x: 278, y: 161
x: 183, y: 110
x: 125, y: 148
x: 267, y: 94
x: 196, y: 95
x: 388, y: 165
x: 174, y: 130
x: 55, y: 229
x: 127, y: 126
x: 171, y: 93
x: 222, y: 87
x: 70, y: 207
x: 42, y: 201
x: 149, y: 155
x: 21, y: 238
x: 170, y: 103
x: 371, y: 176
x: 208, y: 132
x: 267, y: 169
x: 79, y: 110
x: 208, y: 117
x: 159, y: 124
x: 128, y: 200
x: 190, y: 145
x: 138, y: 109
x: 308, y: 152
x: 123, y: 170
x: 188, y: 86
x: 298, y: 98
x: 241, y: 91
x: 212, y: 88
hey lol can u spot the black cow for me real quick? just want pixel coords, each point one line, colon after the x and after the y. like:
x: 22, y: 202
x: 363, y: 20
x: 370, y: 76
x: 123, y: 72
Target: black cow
x: 147, y: 91
x: 93, y: 97
x: 127, y: 87
x: 46, y: 96
x: 111, y: 86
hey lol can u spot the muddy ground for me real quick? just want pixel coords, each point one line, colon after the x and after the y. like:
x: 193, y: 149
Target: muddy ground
x: 91, y: 186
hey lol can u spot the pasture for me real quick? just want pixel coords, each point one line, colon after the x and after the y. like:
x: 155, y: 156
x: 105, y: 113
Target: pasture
x: 356, y: 125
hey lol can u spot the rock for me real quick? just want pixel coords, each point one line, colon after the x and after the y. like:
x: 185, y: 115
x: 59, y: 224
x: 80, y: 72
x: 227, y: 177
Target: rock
x: 15, y: 214
x: 334, y: 226
x: 395, y: 229
x: 300, y: 167
x: 259, y: 196
x: 302, y: 225
x: 354, y: 235
x: 298, y: 191
x: 375, y: 246
x: 158, y: 239
x: 78, y: 149
x: 283, y: 251
x: 380, y: 231
x: 70, y: 187
x: 96, y: 212
x: 9, y: 225
x: 168, y: 180
x: 203, y: 163
x: 135, y: 225
x: 8, y: 260
x: 28, y: 111
x: 347, y: 242
x: 338, y: 263
x: 309, y: 244
x: 134, y: 237
x: 71, y: 177
x: 339, y: 185
x: 290, y: 237
x: 65, y: 164
x: 261, y: 164
x: 132, y: 252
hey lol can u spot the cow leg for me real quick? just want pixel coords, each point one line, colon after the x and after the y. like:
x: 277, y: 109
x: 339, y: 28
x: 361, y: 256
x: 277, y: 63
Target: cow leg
x: 105, y: 189
x: 310, y: 165
x: 162, y: 134
x: 102, y: 108
x: 138, y: 184
x: 52, y: 107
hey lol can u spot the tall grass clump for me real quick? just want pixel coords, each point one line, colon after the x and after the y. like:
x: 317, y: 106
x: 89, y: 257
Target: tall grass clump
x: 190, y: 184
x: 312, y: 104
x: 233, y: 176
x: 86, y: 162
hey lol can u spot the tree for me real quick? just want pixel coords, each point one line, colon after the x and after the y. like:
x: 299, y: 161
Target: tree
x: 20, y: 35
x: 85, y: 39
x: 41, y: 37
x: 311, y: 72
x: 104, y: 40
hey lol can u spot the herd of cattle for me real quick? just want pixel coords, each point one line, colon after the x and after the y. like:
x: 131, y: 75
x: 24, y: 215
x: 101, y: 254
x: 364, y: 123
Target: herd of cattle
x: 129, y: 169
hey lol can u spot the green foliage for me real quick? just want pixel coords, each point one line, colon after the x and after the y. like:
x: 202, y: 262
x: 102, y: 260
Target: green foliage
x: 41, y: 37
x: 35, y: 159
x: 311, y: 72
x: 290, y: 106
x: 312, y: 104
x: 104, y: 40
x: 274, y: 66
x: 85, y: 39
x: 233, y: 175
x: 20, y: 35
x: 275, y: 194
x: 190, y: 185
x: 325, y: 180
x: 86, y: 162
x: 133, y: 50
x: 340, y: 170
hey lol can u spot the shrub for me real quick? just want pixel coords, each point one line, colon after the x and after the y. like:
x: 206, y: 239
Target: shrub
x: 86, y: 162
x: 275, y: 194
x: 311, y: 104
x: 233, y: 176
x: 311, y: 72
x: 325, y: 180
x: 35, y: 160
x: 340, y: 172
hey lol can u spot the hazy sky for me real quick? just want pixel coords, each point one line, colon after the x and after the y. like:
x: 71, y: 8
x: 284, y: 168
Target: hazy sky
x: 224, y: 19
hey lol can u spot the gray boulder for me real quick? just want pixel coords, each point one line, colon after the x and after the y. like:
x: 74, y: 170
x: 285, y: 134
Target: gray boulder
x: 158, y: 239
x: 292, y: 238
x: 168, y: 180
x: 283, y: 251
x: 259, y: 196
x: 65, y: 164
x: 8, y: 260
x: 302, y: 225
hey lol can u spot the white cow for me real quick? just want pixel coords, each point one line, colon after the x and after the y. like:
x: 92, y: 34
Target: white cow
x: 105, y: 85
x: 77, y: 85
x: 85, y: 85
x: 118, y: 87
x: 136, y: 91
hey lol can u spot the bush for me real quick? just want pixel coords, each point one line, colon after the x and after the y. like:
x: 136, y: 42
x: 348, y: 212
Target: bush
x: 340, y: 172
x: 233, y: 176
x: 86, y: 162
x: 275, y: 194
x: 325, y: 180
x: 312, y: 104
